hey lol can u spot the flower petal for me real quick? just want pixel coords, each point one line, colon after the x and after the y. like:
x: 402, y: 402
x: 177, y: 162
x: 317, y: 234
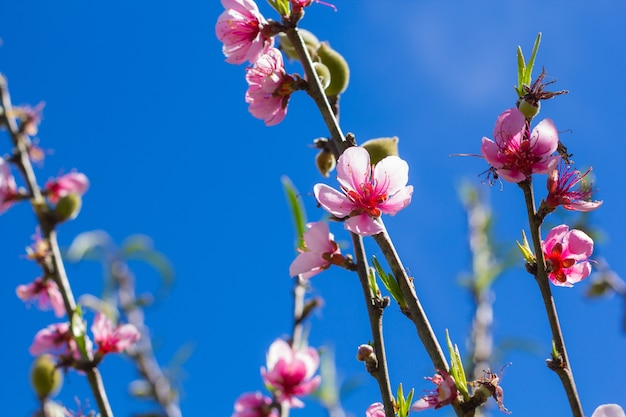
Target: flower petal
x: 363, y: 225
x: 577, y: 245
x: 353, y: 168
x: 392, y: 171
x: 397, y: 201
x: 544, y: 138
x: 333, y: 201
x: 509, y: 127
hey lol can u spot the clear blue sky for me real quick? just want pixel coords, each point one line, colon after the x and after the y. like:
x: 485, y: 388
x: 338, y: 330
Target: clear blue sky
x: 138, y: 97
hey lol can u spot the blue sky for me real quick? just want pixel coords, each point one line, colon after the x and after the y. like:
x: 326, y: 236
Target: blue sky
x: 138, y: 97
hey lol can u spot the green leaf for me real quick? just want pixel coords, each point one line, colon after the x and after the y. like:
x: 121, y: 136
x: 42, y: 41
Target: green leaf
x: 524, y: 247
x: 296, y: 208
x: 456, y: 368
x: 531, y: 61
x: 521, y: 71
x: 390, y: 283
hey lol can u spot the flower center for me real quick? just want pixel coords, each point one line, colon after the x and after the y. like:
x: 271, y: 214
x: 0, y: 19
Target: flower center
x: 521, y: 158
x: 367, y: 200
x: 558, y: 263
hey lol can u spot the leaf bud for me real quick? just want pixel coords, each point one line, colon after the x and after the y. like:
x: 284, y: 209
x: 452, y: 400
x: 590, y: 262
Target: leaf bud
x: 68, y: 207
x: 325, y: 161
x: 310, y: 41
x: 45, y: 377
x: 338, y: 67
x: 380, y: 148
x: 529, y: 109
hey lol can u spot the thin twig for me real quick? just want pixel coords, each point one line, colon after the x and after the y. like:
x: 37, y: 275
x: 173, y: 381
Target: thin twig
x: 47, y: 226
x: 560, y: 364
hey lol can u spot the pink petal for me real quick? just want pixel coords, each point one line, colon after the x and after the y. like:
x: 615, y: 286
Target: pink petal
x: 317, y: 238
x: 353, y: 168
x: 577, y: 245
x: 554, y: 236
x: 307, y: 262
x: 397, y: 201
x: 608, y: 410
x: 491, y: 153
x: 394, y: 171
x: 578, y: 272
x: 279, y: 349
x: 509, y: 127
x: 544, y: 138
x: 363, y: 225
x: 511, y: 175
x: 333, y: 201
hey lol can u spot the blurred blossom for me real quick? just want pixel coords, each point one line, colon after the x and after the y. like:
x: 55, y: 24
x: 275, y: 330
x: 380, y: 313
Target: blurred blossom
x: 367, y: 190
x: 39, y: 249
x: 56, y: 339
x: 74, y: 182
x: 30, y: 117
x: 45, y: 293
x: 445, y: 393
x: 290, y: 373
x: 254, y: 404
x: 609, y: 410
x: 561, y: 182
x: 375, y: 410
x: 567, y: 251
x: 513, y: 155
x: 8, y: 187
x: 319, y: 253
x: 240, y: 28
x: 269, y: 88
x: 110, y: 338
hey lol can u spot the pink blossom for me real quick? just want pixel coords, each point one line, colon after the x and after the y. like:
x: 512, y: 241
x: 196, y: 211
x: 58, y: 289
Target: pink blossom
x: 290, y: 372
x: 254, y: 404
x: 240, y: 28
x: 113, y: 339
x: 566, y: 251
x: 320, y: 252
x: 74, y: 182
x: 269, y: 88
x: 375, y: 410
x: 57, y: 339
x: 445, y: 393
x: 45, y: 293
x: 561, y: 182
x: 8, y: 187
x: 515, y: 156
x: 609, y: 410
x: 367, y: 191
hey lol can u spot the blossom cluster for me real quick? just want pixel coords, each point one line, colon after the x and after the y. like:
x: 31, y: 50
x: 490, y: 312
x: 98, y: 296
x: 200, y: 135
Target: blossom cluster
x: 288, y: 374
x: 247, y: 37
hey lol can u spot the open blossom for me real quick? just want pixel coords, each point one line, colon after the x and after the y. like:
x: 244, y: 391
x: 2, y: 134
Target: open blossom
x: 269, y: 88
x: 609, y: 410
x: 240, y: 28
x: 8, y: 187
x: 445, y: 393
x: 74, y: 182
x: 320, y: 252
x: 45, y: 293
x: 254, y: 404
x: 290, y: 372
x: 112, y: 339
x: 514, y: 155
x: 367, y: 191
x: 561, y: 182
x: 375, y: 410
x: 567, y: 251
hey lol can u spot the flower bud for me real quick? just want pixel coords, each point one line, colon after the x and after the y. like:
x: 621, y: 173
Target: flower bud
x: 364, y: 352
x: 45, y: 377
x: 528, y: 109
x: 325, y: 161
x: 338, y: 67
x: 68, y: 207
x: 310, y: 41
x: 380, y: 148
